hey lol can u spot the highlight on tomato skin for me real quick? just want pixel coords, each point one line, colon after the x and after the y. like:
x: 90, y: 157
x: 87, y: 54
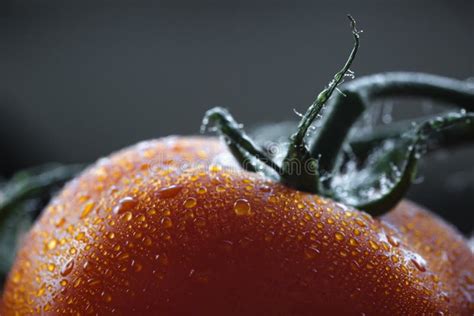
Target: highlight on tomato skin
x: 174, y: 227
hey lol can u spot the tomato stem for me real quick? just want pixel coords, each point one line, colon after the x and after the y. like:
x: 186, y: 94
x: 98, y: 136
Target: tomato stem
x: 364, y: 143
x: 300, y: 168
x: 371, y: 172
x: 242, y: 146
x: 387, y: 174
x: 357, y: 96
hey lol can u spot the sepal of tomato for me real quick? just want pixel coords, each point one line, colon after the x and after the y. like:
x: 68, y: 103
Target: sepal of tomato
x: 175, y: 227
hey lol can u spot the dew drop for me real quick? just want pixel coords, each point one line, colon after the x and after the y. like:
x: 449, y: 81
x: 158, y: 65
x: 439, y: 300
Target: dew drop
x: 190, y: 202
x: 81, y: 237
x: 125, y: 204
x: 166, y: 222
x: 200, y: 221
x: 419, y: 265
x: 60, y: 222
x: 330, y: 220
x: 242, y: 207
x: 265, y: 188
x: 106, y: 297
x: 373, y: 245
x: 63, y: 282
x: 111, y: 235
x: 93, y: 282
x: 68, y: 267
x: 215, y: 168
x: 50, y: 245
x: 394, y: 258
x: 72, y: 251
x: 77, y: 282
x: 169, y: 192
x: 201, y: 190
x: 469, y: 279
x: 87, y: 266
x: 311, y: 252
x: 392, y: 240
x: 51, y: 267
x: 41, y: 290
x: 220, y: 188
x: 137, y: 267
x: 269, y: 209
x: 87, y: 209
x: 123, y: 256
x: 16, y: 277
x: 127, y: 216
x: 353, y: 242
x: 360, y: 222
x: 339, y: 236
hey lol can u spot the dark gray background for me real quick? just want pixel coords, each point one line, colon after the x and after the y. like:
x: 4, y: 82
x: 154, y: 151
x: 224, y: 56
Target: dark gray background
x: 79, y: 79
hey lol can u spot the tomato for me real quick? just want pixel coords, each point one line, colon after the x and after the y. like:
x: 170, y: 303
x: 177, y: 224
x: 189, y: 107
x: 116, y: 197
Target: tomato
x: 174, y: 227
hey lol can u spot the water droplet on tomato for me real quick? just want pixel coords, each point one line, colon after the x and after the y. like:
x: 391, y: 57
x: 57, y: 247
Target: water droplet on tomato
x: 68, y: 267
x: 220, y: 188
x: 60, y: 222
x: 373, y: 245
x: 125, y: 204
x: 190, y: 202
x: 215, y: 168
x: 166, y: 222
x: 242, y: 207
x: 311, y: 252
x: 201, y: 190
x: 200, y: 221
x: 339, y: 236
x: 87, y: 209
x: 418, y: 264
x: 141, y: 218
x: 360, y: 222
x: 169, y: 192
x: 127, y: 216
x: 50, y: 245
x: 41, y: 290
x: 77, y: 282
x: 81, y: 237
x: 392, y: 240
x: 106, y: 297
x: 51, y: 267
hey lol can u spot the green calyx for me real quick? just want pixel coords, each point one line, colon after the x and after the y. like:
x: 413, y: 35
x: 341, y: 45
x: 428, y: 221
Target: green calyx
x: 370, y: 171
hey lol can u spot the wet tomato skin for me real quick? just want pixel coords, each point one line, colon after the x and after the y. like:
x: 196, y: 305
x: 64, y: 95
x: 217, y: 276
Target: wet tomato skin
x: 174, y: 227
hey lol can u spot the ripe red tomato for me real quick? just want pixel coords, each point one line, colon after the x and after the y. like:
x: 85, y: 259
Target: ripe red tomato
x: 174, y: 227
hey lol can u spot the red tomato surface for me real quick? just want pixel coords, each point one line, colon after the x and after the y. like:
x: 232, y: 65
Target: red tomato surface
x: 174, y: 227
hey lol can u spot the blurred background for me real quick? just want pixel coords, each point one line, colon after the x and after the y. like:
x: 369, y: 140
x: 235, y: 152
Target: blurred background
x: 80, y: 79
